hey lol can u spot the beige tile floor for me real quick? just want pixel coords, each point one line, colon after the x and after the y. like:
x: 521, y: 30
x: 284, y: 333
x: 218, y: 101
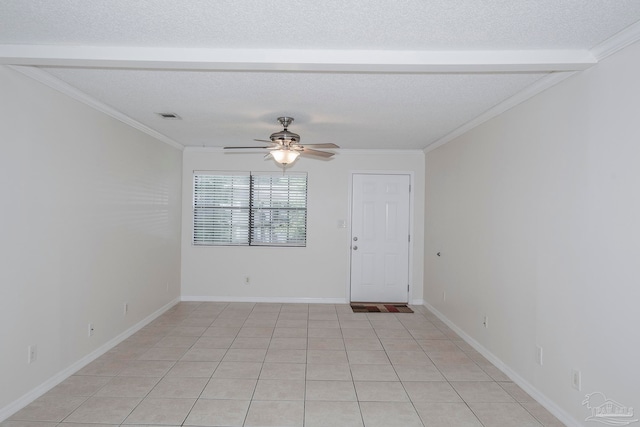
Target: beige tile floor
x: 260, y: 365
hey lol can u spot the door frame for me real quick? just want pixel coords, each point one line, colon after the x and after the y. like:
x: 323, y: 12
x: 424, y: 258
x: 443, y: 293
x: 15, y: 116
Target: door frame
x: 411, y: 219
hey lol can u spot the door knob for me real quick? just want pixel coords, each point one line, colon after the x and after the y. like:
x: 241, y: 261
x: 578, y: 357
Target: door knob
x: 355, y: 248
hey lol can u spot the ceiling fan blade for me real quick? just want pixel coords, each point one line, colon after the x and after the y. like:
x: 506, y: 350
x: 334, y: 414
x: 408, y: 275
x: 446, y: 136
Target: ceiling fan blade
x: 310, y: 152
x: 264, y: 140
x: 325, y: 145
x: 243, y: 148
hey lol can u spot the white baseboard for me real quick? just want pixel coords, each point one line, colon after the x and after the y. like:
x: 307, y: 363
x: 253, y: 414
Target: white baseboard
x: 279, y: 300
x: 32, y: 395
x: 540, y: 397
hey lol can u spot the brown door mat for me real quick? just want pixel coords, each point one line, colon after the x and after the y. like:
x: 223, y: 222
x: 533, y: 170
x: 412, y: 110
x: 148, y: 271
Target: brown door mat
x: 366, y: 307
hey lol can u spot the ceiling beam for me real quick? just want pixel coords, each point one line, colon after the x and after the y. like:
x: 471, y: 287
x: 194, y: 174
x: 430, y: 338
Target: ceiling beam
x: 298, y: 60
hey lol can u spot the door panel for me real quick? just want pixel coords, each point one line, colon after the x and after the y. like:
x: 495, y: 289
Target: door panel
x: 380, y: 238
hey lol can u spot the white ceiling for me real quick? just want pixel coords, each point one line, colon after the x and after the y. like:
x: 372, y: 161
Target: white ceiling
x: 362, y: 74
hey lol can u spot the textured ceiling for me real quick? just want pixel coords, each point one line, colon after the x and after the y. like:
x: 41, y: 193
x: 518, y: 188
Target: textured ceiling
x: 384, y: 108
x: 326, y: 24
x: 375, y: 110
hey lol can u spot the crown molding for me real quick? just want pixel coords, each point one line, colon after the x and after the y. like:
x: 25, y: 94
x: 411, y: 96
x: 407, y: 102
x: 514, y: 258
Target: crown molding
x: 57, y: 84
x: 529, y: 92
x: 619, y: 41
x: 607, y: 48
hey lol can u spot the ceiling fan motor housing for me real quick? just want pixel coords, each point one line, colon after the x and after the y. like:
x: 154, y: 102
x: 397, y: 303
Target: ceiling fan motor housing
x: 284, y: 136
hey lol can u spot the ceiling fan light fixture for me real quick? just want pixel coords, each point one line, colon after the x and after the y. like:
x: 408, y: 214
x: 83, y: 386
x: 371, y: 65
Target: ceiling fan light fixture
x: 284, y: 157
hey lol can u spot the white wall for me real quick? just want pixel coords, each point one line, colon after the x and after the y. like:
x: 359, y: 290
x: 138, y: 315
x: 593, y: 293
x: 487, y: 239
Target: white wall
x: 537, y: 216
x: 90, y: 214
x: 319, y: 271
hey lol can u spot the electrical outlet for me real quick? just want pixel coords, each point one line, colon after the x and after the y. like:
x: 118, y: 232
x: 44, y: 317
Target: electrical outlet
x: 32, y: 353
x: 539, y: 355
x: 90, y: 329
x: 486, y: 321
x: 576, y: 379
x: 125, y: 309
x: 247, y: 280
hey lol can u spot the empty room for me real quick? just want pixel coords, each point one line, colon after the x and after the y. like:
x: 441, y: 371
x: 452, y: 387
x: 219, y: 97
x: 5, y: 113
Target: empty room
x: 319, y: 214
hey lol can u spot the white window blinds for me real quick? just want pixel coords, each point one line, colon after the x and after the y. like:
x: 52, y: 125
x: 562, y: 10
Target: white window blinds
x: 259, y: 209
x: 279, y: 209
x: 221, y: 209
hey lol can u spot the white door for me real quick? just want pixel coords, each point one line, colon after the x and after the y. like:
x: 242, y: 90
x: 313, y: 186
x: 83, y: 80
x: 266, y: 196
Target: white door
x: 380, y: 238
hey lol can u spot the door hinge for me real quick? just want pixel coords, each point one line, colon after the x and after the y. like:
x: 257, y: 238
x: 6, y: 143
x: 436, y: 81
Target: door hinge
x: 409, y: 188
x: 409, y: 237
x: 407, y: 288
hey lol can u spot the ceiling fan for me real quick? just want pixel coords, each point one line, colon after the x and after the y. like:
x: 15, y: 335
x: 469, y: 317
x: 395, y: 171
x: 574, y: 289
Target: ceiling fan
x: 285, y: 145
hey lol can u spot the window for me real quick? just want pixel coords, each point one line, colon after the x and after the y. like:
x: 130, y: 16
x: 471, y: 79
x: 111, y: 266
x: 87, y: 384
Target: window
x: 221, y: 209
x: 249, y: 209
